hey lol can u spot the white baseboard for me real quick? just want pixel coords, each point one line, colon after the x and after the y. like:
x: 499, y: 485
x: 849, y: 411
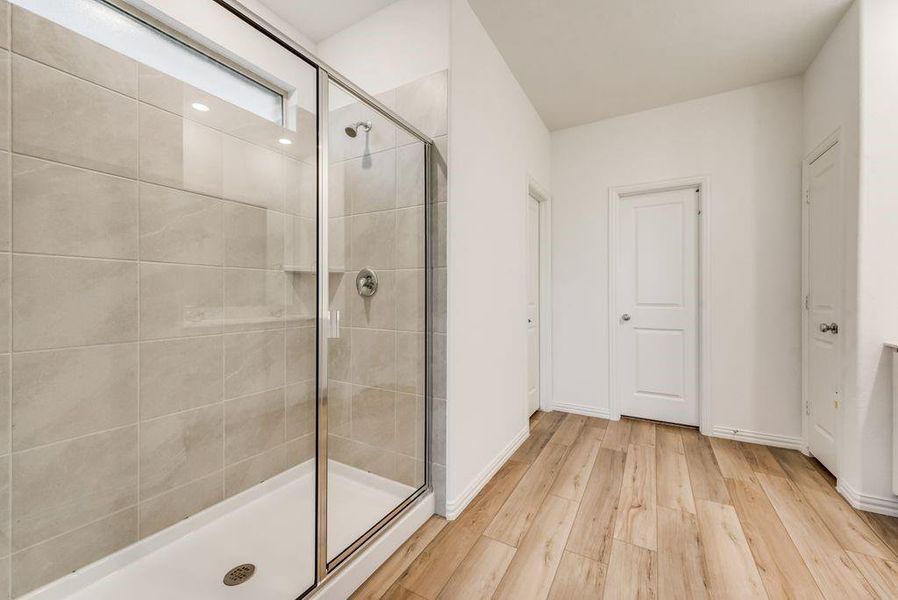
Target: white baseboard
x: 455, y: 507
x: 755, y: 437
x: 582, y: 409
x: 877, y: 504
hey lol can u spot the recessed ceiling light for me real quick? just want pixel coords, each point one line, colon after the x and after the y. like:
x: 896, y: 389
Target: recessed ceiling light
x: 200, y: 107
x: 285, y: 141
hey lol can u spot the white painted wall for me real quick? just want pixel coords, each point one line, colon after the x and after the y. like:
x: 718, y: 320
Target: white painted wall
x: 403, y: 42
x: 867, y: 421
x: 497, y: 139
x: 749, y: 143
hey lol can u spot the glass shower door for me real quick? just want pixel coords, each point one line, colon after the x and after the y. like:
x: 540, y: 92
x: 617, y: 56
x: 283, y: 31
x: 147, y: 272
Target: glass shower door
x: 377, y: 303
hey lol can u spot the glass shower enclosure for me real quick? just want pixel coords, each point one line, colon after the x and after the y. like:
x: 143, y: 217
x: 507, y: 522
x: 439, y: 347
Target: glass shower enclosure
x: 215, y: 270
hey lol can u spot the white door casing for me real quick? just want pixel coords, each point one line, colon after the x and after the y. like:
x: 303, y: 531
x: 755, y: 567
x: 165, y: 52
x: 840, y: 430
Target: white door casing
x: 656, y: 301
x: 823, y: 278
x: 533, y: 293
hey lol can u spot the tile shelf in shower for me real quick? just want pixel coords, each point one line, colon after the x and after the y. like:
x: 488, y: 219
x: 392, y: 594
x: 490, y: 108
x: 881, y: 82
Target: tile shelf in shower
x: 312, y: 270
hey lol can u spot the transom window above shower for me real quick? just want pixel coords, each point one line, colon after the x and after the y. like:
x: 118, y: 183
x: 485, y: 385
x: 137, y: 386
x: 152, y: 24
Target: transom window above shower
x: 163, y: 51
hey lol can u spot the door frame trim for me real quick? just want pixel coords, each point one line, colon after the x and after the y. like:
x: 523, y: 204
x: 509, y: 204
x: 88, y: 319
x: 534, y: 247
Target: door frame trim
x: 703, y: 360
x: 822, y: 148
x: 539, y: 193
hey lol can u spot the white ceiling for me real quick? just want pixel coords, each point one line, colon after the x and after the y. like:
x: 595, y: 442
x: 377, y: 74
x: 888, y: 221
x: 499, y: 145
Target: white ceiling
x: 584, y: 60
x: 320, y: 19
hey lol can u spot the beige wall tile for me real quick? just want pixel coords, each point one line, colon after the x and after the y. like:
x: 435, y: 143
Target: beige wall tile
x: 252, y: 174
x: 438, y: 370
x: 300, y: 450
x: 410, y: 300
x: 254, y: 424
x: 52, y: 559
x: 254, y: 362
x: 179, y: 301
x: 300, y: 245
x: 5, y: 537
x: 410, y: 238
x: 441, y: 159
x: 257, y: 469
x: 5, y: 369
x: 336, y: 189
x: 177, y: 375
x: 54, y: 45
x: 161, y: 90
x: 70, y: 211
x: 69, y: 484
x: 371, y: 182
x: 410, y: 425
x: 87, y: 126
x: 362, y: 456
x: 374, y: 417
x: 339, y: 408
x: 4, y: 43
x: 409, y: 470
x: 176, y: 505
x: 337, y: 242
x: 61, y: 394
x: 300, y: 354
x: 440, y: 292
x: 179, y: 153
x: 410, y: 175
x: 381, y: 137
x: 438, y: 431
x: 377, y: 311
x: 5, y: 100
x: 374, y: 358
x: 254, y: 237
x: 302, y: 297
x: 180, y: 448
x: 61, y: 302
x: 301, y: 409
x: 180, y: 227
x: 373, y: 240
x: 5, y: 201
x: 410, y: 362
x: 301, y: 187
x: 423, y: 103
x: 254, y: 299
x: 5, y: 265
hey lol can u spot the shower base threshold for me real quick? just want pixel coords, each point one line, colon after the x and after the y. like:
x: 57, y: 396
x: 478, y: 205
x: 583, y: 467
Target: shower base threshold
x: 271, y: 525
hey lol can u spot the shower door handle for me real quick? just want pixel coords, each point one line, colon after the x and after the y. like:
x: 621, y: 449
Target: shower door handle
x: 333, y: 318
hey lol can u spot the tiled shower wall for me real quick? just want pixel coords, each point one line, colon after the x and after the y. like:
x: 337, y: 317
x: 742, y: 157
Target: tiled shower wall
x: 376, y: 201
x: 156, y: 357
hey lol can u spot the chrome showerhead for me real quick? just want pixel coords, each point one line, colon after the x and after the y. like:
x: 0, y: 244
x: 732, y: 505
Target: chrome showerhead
x: 353, y: 130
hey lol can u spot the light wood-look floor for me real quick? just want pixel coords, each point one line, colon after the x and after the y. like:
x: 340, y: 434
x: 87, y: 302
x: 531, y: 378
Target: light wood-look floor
x: 589, y: 508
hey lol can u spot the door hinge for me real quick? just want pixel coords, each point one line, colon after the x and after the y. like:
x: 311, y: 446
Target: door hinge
x: 807, y: 196
x: 807, y: 302
x: 807, y: 407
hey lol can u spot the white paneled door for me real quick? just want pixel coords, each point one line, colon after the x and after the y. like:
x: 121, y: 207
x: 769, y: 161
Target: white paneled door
x: 656, y: 289
x: 824, y: 281
x: 533, y: 305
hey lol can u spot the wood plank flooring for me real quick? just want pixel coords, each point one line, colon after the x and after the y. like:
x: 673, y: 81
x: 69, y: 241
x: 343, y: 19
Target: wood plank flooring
x: 588, y: 508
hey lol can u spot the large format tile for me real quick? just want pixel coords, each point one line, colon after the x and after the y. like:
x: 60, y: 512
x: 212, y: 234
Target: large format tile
x: 410, y: 361
x: 88, y: 126
x: 423, y: 104
x: 45, y: 41
x: 5, y: 201
x: 5, y: 100
x: 374, y: 358
x: 254, y: 237
x: 249, y: 472
x: 373, y: 240
x: 61, y: 394
x: 70, y: 211
x: 5, y: 369
x: 180, y: 227
x: 180, y: 448
x: 252, y: 174
x: 410, y: 238
x: 370, y: 183
x: 5, y: 283
x: 179, y: 301
x: 179, y: 153
x: 174, y: 505
x: 374, y: 417
x: 5, y: 537
x: 378, y: 311
x: 301, y: 406
x: 382, y: 135
x: 301, y: 354
x: 254, y: 362
x: 177, y: 375
x: 61, y: 302
x: 254, y: 299
x: 69, y: 484
x: 410, y: 313
x: 410, y: 172
x: 301, y: 188
x: 254, y: 424
x: 52, y: 559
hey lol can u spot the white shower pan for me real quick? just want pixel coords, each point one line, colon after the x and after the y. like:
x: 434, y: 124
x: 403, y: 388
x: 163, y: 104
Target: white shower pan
x: 271, y: 525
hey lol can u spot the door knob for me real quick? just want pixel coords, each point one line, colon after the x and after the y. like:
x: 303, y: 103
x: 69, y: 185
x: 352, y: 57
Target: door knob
x: 625, y: 317
x: 832, y: 328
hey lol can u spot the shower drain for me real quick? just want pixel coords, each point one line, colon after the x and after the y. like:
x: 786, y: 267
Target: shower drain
x: 239, y: 574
